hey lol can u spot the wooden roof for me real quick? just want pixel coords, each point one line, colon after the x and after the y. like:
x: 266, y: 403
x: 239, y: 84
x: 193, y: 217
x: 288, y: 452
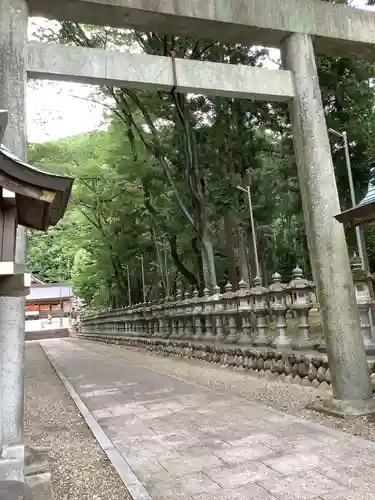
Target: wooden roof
x: 364, y: 212
x: 41, y: 198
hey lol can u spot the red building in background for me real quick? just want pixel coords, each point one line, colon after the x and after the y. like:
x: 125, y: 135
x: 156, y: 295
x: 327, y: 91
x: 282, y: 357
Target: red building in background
x: 48, y: 299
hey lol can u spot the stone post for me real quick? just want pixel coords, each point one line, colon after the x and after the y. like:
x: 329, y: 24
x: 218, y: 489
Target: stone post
x: 174, y: 321
x: 218, y: 316
x: 197, y: 312
x: 326, y: 238
x: 189, y: 327
x: 168, y: 317
x: 231, y: 311
x: 181, y: 316
x: 259, y: 294
x: 208, y: 305
x: 155, y: 319
x: 300, y: 290
x: 279, y: 307
x: 13, y: 38
x: 244, y: 309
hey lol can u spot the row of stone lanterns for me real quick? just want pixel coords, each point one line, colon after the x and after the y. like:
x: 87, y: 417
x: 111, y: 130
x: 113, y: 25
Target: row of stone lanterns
x: 231, y: 317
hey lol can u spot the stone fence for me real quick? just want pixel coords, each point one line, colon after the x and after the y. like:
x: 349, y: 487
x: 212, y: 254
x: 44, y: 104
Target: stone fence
x: 248, y: 317
x: 262, y: 329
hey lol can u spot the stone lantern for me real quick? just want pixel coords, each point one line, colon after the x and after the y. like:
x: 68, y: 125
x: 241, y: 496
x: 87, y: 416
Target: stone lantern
x: 278, y: 295
x: 156, y: 312
x: 208, y: 307
x: 260, y: 308
x: 231, y: 312
x: 197, y: 312
x: 173, y: 312
x: 300, y: 290
x: 168, y: 303
x: 189, y: 331
x: 244, y: 308
x: 180, y: 314
x: 219, y: 317
x: 362, y: 281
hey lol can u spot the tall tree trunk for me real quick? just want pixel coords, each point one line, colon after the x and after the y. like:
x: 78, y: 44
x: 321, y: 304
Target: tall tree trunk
x: 195, y: 177
x: 198, y: 256
x: 251, y: 253
x: 208, y: 260
x: 160, y: 263
x: 229, y: 230
x: 181, y: 268
x: 243, y: 259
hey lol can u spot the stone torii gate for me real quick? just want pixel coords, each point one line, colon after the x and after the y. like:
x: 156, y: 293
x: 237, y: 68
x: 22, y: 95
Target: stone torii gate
x: 298, y: 28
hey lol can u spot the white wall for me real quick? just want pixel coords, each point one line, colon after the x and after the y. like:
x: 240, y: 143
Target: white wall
x: 43, y: 324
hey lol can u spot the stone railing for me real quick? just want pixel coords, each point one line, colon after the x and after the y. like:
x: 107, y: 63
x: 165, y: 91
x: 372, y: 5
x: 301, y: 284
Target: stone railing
x: 240, y: 317
x: 250, y: 317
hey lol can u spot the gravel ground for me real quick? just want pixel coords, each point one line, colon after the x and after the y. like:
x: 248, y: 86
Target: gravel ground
x: 284, y: 397
x: 79, y: 467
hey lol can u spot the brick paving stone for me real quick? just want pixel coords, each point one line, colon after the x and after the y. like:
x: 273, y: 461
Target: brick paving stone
x: 144, y: 466
x: 304, y: 486
x: 232, y: 477
x: 353, y: 476
x: 244, y: 454
x: 202, y: 445
x: 143, y: 453
x: 291, y: 464
x: 254, y: 438
x: 175, y: 439
x: 102, y: 414
x: 358, y: 494
x: 187, y: 443
x: 190, y: 484
x: 252, y: 492
x: 185, y: 464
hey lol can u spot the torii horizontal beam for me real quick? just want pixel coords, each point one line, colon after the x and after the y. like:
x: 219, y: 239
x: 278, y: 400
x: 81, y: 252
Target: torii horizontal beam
x: 122, y: 69
x: 336, y: 29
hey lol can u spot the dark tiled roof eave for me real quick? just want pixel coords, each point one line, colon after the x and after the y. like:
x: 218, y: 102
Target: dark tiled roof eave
x: 358, y: 216
x: 45, y: 214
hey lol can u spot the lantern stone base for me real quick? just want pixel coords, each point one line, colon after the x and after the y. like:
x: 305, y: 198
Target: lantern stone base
x: 12, y: 462
x: 281, y: 343
x: 344, y: 408
x: 37, y: 473
x: 15, y: 490
x: 369, y: 346
x: 303, y: 345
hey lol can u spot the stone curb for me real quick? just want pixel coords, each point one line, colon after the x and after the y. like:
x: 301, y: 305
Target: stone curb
x: 123, y: 469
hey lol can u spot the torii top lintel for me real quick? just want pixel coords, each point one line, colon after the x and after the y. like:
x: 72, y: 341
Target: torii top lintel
x: 336, y: 29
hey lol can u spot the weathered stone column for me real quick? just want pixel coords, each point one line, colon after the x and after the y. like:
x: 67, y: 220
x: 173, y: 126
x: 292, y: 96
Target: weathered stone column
x: 13, y: 38
x: 326, y: 239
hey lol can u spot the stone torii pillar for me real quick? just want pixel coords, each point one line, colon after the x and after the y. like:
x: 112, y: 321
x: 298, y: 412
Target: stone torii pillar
x: 33, y: 199
x: 13, y: 39
x: 28, y: 198
x: 326, y: 237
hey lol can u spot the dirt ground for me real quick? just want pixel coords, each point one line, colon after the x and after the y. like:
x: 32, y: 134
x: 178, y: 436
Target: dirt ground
x: 79, y: 467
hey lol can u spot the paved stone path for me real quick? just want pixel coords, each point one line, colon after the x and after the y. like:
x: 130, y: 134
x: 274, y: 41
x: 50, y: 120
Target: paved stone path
x: 187, y: 443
